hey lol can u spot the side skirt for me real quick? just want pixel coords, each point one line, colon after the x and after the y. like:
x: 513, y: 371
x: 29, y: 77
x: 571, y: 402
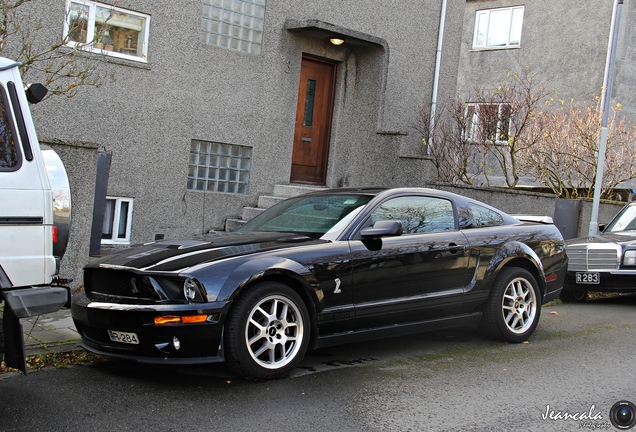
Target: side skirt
x: 365, y: 335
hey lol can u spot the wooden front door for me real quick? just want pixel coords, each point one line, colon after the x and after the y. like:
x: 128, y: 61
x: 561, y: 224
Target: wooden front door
x: 313, y: 121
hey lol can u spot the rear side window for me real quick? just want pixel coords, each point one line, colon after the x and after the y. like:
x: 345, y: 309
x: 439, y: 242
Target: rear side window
x: 483, y: 217
x: 10, y: 157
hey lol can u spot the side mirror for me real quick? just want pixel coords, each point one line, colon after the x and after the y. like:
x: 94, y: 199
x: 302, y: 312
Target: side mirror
x: 35, y: 92
x: 383, y: 228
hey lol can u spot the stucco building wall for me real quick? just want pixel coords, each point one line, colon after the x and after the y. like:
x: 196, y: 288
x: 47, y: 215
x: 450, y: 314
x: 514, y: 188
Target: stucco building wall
x: 564, y: 42
x: 147, y: 114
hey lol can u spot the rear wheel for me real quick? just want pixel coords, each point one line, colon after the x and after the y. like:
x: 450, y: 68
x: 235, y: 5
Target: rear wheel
x: 513, y: 309
x: 266, y: 332
x: 571, y: 296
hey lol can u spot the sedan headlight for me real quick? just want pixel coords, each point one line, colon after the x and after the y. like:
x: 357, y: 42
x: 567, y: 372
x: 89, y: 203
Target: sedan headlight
x: 629, y: 258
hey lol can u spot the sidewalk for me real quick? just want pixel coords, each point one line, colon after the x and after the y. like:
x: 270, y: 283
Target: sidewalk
x: 54, y: 332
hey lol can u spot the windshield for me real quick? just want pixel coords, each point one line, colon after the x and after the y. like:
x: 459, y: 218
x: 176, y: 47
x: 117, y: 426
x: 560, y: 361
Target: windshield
x: 311, y: 215
x: 625, y: 221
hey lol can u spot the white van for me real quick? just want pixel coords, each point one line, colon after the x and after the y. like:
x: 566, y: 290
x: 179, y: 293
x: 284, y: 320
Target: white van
x: 34, y: 216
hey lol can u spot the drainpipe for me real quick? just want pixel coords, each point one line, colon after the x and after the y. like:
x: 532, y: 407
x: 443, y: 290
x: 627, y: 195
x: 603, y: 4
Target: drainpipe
x: 438, y: 60
x: 605, y: 108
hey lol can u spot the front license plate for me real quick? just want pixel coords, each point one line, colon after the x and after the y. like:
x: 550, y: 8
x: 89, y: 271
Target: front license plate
x: 123, y: 337
x: 588, y: 278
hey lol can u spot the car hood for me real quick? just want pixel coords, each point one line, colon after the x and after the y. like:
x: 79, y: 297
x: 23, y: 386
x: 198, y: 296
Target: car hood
x: 624, y: 238
x: 175, y: 255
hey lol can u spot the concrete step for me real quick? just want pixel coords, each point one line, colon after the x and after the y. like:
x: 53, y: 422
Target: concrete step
x: 288, y: 191
x: 281, y: 192
x: 233, y: 224
x: 266, y: 202
x: 250, y: 212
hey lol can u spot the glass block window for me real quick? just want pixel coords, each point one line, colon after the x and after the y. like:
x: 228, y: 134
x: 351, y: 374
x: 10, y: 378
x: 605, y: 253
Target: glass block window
x: 236, y: 25
x: 217, y: 167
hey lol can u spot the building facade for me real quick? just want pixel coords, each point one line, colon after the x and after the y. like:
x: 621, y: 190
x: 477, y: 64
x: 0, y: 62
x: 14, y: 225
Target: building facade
x: 565, y: 43
x: 208, y: 104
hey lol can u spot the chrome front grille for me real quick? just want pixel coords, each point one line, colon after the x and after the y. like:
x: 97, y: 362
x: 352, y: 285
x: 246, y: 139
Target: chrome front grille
x: 593, y: 257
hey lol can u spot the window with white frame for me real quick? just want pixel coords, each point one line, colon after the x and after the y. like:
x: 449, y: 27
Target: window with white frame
x: 107, y: 29
x: 498, y: 28
x: 236, y: 25
x: 117, y: 220
x: 487, y: 122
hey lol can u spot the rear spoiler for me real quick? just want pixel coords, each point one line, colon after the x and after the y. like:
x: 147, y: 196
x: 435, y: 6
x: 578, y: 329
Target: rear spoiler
x: 539, y: 219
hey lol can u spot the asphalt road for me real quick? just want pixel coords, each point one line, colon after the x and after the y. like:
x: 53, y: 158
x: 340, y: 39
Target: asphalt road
x: 578, y: 364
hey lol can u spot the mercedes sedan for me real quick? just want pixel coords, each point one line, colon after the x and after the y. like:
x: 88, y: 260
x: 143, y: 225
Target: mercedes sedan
x: 603, y: 263
x: 326, y: 268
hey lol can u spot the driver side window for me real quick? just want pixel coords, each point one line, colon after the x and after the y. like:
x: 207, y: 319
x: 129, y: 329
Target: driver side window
x: 418, y: 214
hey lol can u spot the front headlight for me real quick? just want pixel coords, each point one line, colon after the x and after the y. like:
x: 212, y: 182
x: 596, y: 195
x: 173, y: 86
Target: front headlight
x: 193, y: 291
x: 629, y: 258
x: 189, y: 289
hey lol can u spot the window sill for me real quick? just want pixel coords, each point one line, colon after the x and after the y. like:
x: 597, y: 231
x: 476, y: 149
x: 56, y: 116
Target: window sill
x: 495, y: 48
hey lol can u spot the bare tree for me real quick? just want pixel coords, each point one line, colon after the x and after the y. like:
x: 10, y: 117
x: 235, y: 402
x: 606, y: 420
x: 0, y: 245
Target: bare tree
x: 63, y: 69
x: 452, y: 152
x: 490, y: 127
x: 566, y: 157
x: 503, y: 119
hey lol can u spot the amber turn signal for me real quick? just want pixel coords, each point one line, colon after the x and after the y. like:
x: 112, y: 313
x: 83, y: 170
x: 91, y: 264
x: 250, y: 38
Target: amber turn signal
x: 187, y: 319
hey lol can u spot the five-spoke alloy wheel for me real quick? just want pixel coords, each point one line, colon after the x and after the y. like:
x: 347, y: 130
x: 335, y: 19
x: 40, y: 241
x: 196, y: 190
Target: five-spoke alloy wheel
x: 513, y: 310
x: 267, y: 331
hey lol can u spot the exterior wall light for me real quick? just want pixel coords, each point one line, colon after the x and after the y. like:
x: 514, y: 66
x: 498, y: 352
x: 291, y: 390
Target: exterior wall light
x: 336, y: 41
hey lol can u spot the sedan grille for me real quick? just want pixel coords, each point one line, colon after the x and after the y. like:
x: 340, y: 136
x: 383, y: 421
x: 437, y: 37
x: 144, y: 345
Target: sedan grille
x: 118, y: 285
x: 595, y: 257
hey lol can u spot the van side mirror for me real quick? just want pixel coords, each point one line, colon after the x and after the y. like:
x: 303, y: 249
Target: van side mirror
x: 35, y: 92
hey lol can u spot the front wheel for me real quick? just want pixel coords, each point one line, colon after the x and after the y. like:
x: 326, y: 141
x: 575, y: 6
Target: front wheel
x: 266, y: 332
x: 513, y: 309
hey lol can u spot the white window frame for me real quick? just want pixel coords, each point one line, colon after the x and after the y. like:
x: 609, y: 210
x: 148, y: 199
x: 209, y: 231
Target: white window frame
x: 473, y: 129
x: 508, y: 20
x: 114, y: 223
x: 90, y: 44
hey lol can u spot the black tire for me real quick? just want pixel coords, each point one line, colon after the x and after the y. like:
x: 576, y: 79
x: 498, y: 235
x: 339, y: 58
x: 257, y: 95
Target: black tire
x: 514, y: 307
x: 266, y: 332
x: 573, y: 296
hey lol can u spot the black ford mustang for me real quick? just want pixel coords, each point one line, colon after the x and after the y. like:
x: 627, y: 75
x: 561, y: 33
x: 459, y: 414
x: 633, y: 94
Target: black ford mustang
x: 325, y: 268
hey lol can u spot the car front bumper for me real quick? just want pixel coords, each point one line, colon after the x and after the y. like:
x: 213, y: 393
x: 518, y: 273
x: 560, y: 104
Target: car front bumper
x: 609, y: 282
x: 159, y: 344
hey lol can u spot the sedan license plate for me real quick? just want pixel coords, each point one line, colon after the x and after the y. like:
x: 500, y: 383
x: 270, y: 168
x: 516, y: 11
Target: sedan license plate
x: 588, y: 278
x: 123, y: 337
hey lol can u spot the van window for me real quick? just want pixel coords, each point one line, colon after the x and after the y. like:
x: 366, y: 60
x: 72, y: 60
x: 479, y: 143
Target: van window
x: 9, y: 152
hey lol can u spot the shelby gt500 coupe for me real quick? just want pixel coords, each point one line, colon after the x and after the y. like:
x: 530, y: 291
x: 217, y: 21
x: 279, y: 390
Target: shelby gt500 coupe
x: 325, y: 268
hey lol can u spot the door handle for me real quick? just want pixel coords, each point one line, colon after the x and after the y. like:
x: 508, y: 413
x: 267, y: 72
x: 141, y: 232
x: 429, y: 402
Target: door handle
x: 305, y: 139
x: 454, y: 248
